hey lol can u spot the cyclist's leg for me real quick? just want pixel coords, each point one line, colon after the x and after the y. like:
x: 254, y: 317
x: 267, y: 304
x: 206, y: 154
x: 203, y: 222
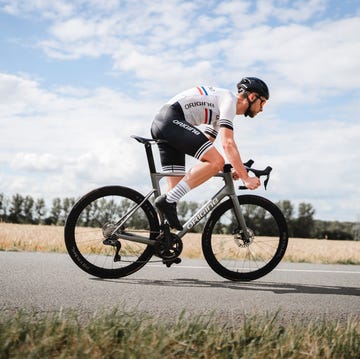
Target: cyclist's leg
x: 171, y: 161
x: 211, y: 163
x: 172, y: 158
x: 183, y: 138
x: 172, y: 182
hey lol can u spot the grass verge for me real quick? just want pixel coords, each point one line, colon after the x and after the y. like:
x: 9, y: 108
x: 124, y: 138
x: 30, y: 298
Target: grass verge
x: 129, y: 335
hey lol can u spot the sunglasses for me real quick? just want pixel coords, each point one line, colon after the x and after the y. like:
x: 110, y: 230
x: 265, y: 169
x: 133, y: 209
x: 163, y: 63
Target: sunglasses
x: 262, y: 101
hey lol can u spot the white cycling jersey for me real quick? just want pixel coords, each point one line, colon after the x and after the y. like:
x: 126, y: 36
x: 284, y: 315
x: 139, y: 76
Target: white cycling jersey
x: 212, y: 106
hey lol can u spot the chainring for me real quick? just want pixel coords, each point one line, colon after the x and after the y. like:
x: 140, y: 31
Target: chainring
x: 169, y: 248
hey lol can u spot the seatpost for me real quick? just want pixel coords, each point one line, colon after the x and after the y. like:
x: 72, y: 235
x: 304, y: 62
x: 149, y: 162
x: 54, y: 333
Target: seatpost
x: 150, y: 157
x: 152, y: 168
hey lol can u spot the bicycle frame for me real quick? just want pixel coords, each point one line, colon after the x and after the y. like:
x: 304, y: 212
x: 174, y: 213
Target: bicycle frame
x: 228, y: 190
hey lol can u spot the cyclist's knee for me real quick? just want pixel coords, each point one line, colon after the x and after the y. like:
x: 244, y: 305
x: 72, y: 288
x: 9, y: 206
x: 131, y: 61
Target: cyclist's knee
x: 215, y: 159
x: 219, y: 164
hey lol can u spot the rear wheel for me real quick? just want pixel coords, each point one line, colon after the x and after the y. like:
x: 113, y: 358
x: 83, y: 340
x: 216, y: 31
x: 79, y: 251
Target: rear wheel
x: 225, y: 247
x: 89, y: 228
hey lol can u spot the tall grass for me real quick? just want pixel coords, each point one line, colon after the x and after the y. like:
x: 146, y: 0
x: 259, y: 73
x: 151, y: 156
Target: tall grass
x: 130, y: 335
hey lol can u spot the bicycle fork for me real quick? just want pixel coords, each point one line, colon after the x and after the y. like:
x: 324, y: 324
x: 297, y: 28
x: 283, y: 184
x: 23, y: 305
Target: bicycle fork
x: 230, y: 192
x: 240, y: 219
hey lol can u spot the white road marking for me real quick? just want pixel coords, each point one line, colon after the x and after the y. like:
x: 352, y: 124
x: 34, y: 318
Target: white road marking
x: 276, y: 269
x: 316, y: 271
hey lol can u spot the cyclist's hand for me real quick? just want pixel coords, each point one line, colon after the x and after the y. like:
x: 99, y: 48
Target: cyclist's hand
x: 252, y: 182
x: 235, y: 175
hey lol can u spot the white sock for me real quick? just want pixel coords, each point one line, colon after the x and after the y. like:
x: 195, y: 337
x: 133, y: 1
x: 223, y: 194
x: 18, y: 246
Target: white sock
x: 177, y: 192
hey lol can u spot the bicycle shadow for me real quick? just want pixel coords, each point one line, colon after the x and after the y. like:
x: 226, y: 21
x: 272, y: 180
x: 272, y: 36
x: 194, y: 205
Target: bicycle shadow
x: 276, y: 288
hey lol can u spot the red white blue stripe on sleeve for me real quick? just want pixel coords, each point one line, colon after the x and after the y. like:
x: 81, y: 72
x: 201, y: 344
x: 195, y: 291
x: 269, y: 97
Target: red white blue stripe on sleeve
x: 208, y: 112
x: 202, y: 90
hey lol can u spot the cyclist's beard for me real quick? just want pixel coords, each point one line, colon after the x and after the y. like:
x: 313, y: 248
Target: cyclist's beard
x: 252, y: 113
x: 249, y: 112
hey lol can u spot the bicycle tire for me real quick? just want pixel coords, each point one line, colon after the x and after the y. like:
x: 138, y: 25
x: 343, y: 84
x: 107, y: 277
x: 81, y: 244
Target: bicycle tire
x: 235, y: 260
x: 84, y: 231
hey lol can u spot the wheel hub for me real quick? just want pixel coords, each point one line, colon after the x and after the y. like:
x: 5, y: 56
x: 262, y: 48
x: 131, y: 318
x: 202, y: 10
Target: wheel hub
x: 108, y: 230
x: 240, y: 239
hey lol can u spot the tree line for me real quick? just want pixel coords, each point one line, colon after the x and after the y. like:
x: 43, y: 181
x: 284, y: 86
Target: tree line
x: 301, y: 223
x: 27, y: 210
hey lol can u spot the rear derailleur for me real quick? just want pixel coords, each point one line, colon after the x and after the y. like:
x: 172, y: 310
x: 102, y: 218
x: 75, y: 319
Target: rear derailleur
x: 112, y: 240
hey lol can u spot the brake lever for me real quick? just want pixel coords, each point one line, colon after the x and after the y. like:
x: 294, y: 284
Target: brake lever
x: 258, y: 174
x: 249, y: 163
x: 267, y: 178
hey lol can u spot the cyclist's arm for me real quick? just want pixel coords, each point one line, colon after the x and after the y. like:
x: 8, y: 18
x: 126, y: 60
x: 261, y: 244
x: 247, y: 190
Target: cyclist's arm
x: 232, y: 153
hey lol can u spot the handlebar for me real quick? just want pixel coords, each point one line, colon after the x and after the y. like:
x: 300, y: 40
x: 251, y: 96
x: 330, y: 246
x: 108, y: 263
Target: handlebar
x: 257, y: 173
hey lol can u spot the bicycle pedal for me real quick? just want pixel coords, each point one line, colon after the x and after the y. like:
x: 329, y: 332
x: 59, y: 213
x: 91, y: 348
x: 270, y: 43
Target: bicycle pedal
x: 168, y: 263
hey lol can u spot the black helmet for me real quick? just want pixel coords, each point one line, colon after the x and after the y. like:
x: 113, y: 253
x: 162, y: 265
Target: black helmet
x: 253, y: 84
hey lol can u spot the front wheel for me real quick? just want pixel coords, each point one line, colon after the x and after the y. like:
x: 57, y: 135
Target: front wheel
x: 90, y: 226
x: 228, y: 252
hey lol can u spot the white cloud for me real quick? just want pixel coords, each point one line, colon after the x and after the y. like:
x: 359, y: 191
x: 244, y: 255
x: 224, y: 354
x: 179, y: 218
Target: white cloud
x: 291, y: 11
x: 313, y: 162
x: 162, y: 75
x: 244, y: 15
x: 79, y: 137
x: 20, y: 94
x: 73, y: 30
x: 35, y: 162
x: 48, y: 9
x: 162, y: 51
x: 316, y: 59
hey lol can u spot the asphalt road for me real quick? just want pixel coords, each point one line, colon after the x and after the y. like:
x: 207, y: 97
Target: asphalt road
x: 51, y: 282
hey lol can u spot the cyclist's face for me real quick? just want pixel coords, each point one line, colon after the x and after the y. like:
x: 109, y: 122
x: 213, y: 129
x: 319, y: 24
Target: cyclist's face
x: 257, y: 105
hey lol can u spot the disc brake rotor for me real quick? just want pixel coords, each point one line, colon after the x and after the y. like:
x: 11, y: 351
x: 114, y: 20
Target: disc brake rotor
x: 240, y: 239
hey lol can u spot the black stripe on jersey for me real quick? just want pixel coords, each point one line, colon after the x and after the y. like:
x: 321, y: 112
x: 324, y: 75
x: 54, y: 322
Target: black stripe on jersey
x: 226, y: 123
x: 211, y: 132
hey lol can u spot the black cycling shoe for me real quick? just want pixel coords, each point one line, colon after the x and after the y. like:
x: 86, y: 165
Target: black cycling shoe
x: 169, y: 211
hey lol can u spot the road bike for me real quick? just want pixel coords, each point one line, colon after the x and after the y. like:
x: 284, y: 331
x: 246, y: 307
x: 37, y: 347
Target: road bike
x: 114, y: 231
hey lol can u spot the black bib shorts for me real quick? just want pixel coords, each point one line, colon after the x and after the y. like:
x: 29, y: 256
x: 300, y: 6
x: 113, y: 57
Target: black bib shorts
x: 181, y: 136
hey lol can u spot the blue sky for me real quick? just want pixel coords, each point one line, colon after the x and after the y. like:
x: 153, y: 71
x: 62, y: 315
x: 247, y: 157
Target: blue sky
x: 77, y: 78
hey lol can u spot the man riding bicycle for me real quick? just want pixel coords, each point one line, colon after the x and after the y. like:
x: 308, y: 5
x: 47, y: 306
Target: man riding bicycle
x: 176, y: 123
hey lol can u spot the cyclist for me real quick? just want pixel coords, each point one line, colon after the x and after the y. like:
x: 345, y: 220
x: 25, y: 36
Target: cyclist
x: 177, y: 123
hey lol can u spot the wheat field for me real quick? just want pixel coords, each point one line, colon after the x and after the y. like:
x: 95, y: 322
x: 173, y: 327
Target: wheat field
x: 16, y: 237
